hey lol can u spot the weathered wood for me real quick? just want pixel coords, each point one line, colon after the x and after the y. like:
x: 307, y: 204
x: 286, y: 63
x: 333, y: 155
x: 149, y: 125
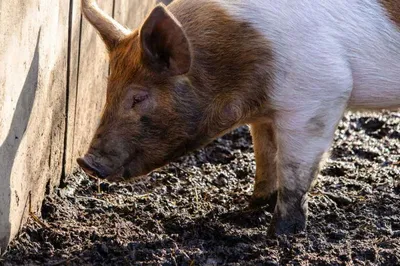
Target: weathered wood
x: 33, y: 56
x: 87, y: 95
x: 75, y: 24
x: 53, y: 76
x: 131, y: 13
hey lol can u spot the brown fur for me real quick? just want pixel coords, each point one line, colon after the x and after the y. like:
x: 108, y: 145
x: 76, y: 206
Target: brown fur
x: 393, y: 9
x: 227, y: 85
x: 127, y: 71
x: 231, y: 71
x: 265, y: 149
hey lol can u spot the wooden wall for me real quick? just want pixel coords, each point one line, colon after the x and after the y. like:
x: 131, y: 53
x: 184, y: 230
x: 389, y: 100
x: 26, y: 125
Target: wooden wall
x: 53, y: 70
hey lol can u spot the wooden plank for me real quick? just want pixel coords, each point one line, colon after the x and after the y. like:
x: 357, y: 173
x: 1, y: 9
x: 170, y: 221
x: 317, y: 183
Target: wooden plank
x: 75, y: 42
x: 33, y: 52
x: 87, y: 97
x: 132, y: 13
x: 165, y: 2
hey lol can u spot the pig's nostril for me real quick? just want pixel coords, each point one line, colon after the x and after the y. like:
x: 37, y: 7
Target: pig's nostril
x: 88, y: 167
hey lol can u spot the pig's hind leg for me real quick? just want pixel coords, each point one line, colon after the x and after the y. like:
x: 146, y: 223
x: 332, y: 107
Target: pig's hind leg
x: 265, y: 186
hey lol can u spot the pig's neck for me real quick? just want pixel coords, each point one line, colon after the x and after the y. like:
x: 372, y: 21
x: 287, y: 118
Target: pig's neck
x: 232, y: 63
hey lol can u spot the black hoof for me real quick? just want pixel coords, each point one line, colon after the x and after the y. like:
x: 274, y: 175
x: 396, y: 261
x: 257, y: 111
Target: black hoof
x: 270, y: 202
x: 294, y: 222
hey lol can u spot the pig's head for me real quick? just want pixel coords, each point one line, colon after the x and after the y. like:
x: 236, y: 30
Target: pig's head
x: 162, y: 99
x: 152, y: 113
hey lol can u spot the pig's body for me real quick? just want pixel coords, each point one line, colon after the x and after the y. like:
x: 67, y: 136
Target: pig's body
x: 352, y: 40
x: 288, y: 68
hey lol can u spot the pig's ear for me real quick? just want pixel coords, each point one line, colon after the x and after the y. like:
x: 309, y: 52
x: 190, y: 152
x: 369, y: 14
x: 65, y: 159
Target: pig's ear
x: 164, y: 43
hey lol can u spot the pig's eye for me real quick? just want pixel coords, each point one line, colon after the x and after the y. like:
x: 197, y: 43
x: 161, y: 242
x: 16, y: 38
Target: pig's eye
x: 138, y: 99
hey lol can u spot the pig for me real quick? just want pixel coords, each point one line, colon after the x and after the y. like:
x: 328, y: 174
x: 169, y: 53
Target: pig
x: 195, y: 70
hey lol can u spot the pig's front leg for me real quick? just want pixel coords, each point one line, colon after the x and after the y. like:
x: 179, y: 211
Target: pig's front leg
x: 302, y: 137
x: 265, y: 186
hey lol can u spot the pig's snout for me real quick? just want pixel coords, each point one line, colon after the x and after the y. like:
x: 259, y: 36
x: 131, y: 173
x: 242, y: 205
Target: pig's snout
x: 88, y: 164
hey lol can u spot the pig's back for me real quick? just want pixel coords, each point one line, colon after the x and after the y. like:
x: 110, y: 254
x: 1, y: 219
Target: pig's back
x: 360, y: 31
x: 307, y: 34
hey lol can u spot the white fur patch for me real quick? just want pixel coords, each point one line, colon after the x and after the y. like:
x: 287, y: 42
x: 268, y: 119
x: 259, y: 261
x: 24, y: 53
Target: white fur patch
x: 327, y: 50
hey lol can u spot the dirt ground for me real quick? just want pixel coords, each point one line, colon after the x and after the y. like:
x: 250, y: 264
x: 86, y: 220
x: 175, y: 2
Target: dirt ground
x: 194, y: 211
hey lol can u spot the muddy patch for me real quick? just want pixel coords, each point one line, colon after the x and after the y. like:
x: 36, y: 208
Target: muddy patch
x: 194, y: 211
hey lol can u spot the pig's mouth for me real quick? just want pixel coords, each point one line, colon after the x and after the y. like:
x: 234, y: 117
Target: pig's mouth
x: 123, y: 173
x: 117, y: 176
